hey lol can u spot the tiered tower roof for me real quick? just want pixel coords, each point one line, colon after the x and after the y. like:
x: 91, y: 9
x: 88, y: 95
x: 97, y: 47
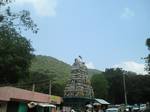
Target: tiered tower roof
x: 79, y: 84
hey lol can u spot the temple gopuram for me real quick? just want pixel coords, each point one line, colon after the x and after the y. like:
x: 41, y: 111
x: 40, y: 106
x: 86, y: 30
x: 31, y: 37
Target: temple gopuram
x: 79, y: 84
x: 78, y: 91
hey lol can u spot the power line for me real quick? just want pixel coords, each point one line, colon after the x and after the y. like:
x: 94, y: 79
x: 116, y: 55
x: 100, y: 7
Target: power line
x: 27, y: 83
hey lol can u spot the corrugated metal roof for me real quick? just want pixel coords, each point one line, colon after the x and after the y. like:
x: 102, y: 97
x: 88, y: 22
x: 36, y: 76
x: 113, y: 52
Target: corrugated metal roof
x: 46, y: 105
x: 101, y: 101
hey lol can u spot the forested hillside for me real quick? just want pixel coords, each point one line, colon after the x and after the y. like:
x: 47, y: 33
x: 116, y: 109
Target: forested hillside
x: 46, y: 68
x: 51, y: 66
x: 54, y: 67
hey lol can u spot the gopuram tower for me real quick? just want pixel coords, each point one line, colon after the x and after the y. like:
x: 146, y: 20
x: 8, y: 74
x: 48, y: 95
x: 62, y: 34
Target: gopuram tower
x: 78, y: 90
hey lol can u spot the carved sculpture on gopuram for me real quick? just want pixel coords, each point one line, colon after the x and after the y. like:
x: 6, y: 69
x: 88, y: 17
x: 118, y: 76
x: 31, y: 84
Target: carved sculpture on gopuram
x: 79, y: 85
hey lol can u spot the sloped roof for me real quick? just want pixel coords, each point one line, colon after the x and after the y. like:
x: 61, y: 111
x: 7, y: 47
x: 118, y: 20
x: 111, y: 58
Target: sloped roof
x: 46, y: 105
x: 102, y: 101
x: 11, y: 93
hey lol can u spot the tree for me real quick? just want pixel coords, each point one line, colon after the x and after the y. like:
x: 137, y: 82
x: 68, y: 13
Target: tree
x: 147, y: 59
x: 114, y: 77
x: 137, y: 86
x: 41, y: 79
x: 100, y: 86
x: 16, y: 53
x: 58, y: 89
x: 16, y: 20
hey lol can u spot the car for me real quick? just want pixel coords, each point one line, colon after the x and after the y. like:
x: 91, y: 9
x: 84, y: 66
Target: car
x: 112, y: 110
x: 142, y: 106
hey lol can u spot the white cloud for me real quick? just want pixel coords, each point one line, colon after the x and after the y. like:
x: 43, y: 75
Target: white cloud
x: 42, y: 7
x: 132, y: 66
x: 127, y: 13
x: 90, y: 65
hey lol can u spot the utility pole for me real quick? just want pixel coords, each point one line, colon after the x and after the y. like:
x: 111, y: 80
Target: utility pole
x: 50, y: 87
x: 125, y: 93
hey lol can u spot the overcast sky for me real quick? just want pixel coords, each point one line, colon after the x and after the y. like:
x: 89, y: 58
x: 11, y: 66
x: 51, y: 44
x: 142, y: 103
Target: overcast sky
x: 106, y: 33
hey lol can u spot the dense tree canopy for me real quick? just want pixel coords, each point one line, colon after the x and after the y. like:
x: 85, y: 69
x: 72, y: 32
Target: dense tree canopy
x: 147, y: 59
x: 42, y: 80
x: 16, y: 53
x: 115, y: 82
x: 137, y: 86
x: 100, y: 86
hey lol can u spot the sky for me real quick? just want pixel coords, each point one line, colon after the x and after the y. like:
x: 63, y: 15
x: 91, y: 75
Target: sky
x: 106, y: 33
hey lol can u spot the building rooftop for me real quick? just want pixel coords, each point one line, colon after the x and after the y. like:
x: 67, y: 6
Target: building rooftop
x: 16, y: 94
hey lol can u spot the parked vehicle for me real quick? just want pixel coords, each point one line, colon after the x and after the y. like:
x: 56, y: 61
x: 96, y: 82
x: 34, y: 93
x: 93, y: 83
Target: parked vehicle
x: 112, y: 110
x: 142, y: 106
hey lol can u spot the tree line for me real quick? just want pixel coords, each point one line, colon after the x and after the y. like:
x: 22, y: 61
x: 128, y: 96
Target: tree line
x: 109, y: 84
x: 112, y: 88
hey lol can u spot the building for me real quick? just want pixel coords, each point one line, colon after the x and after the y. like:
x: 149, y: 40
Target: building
x: 79, y: 85
x: 19, y: 100
x: 100, y: 104
x: 78, y: 91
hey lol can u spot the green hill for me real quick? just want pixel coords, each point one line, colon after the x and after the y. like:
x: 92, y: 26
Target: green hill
x: 51, y: 66
x: 93, y: 71
x: 46, y: 68
x: 54, y: 68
